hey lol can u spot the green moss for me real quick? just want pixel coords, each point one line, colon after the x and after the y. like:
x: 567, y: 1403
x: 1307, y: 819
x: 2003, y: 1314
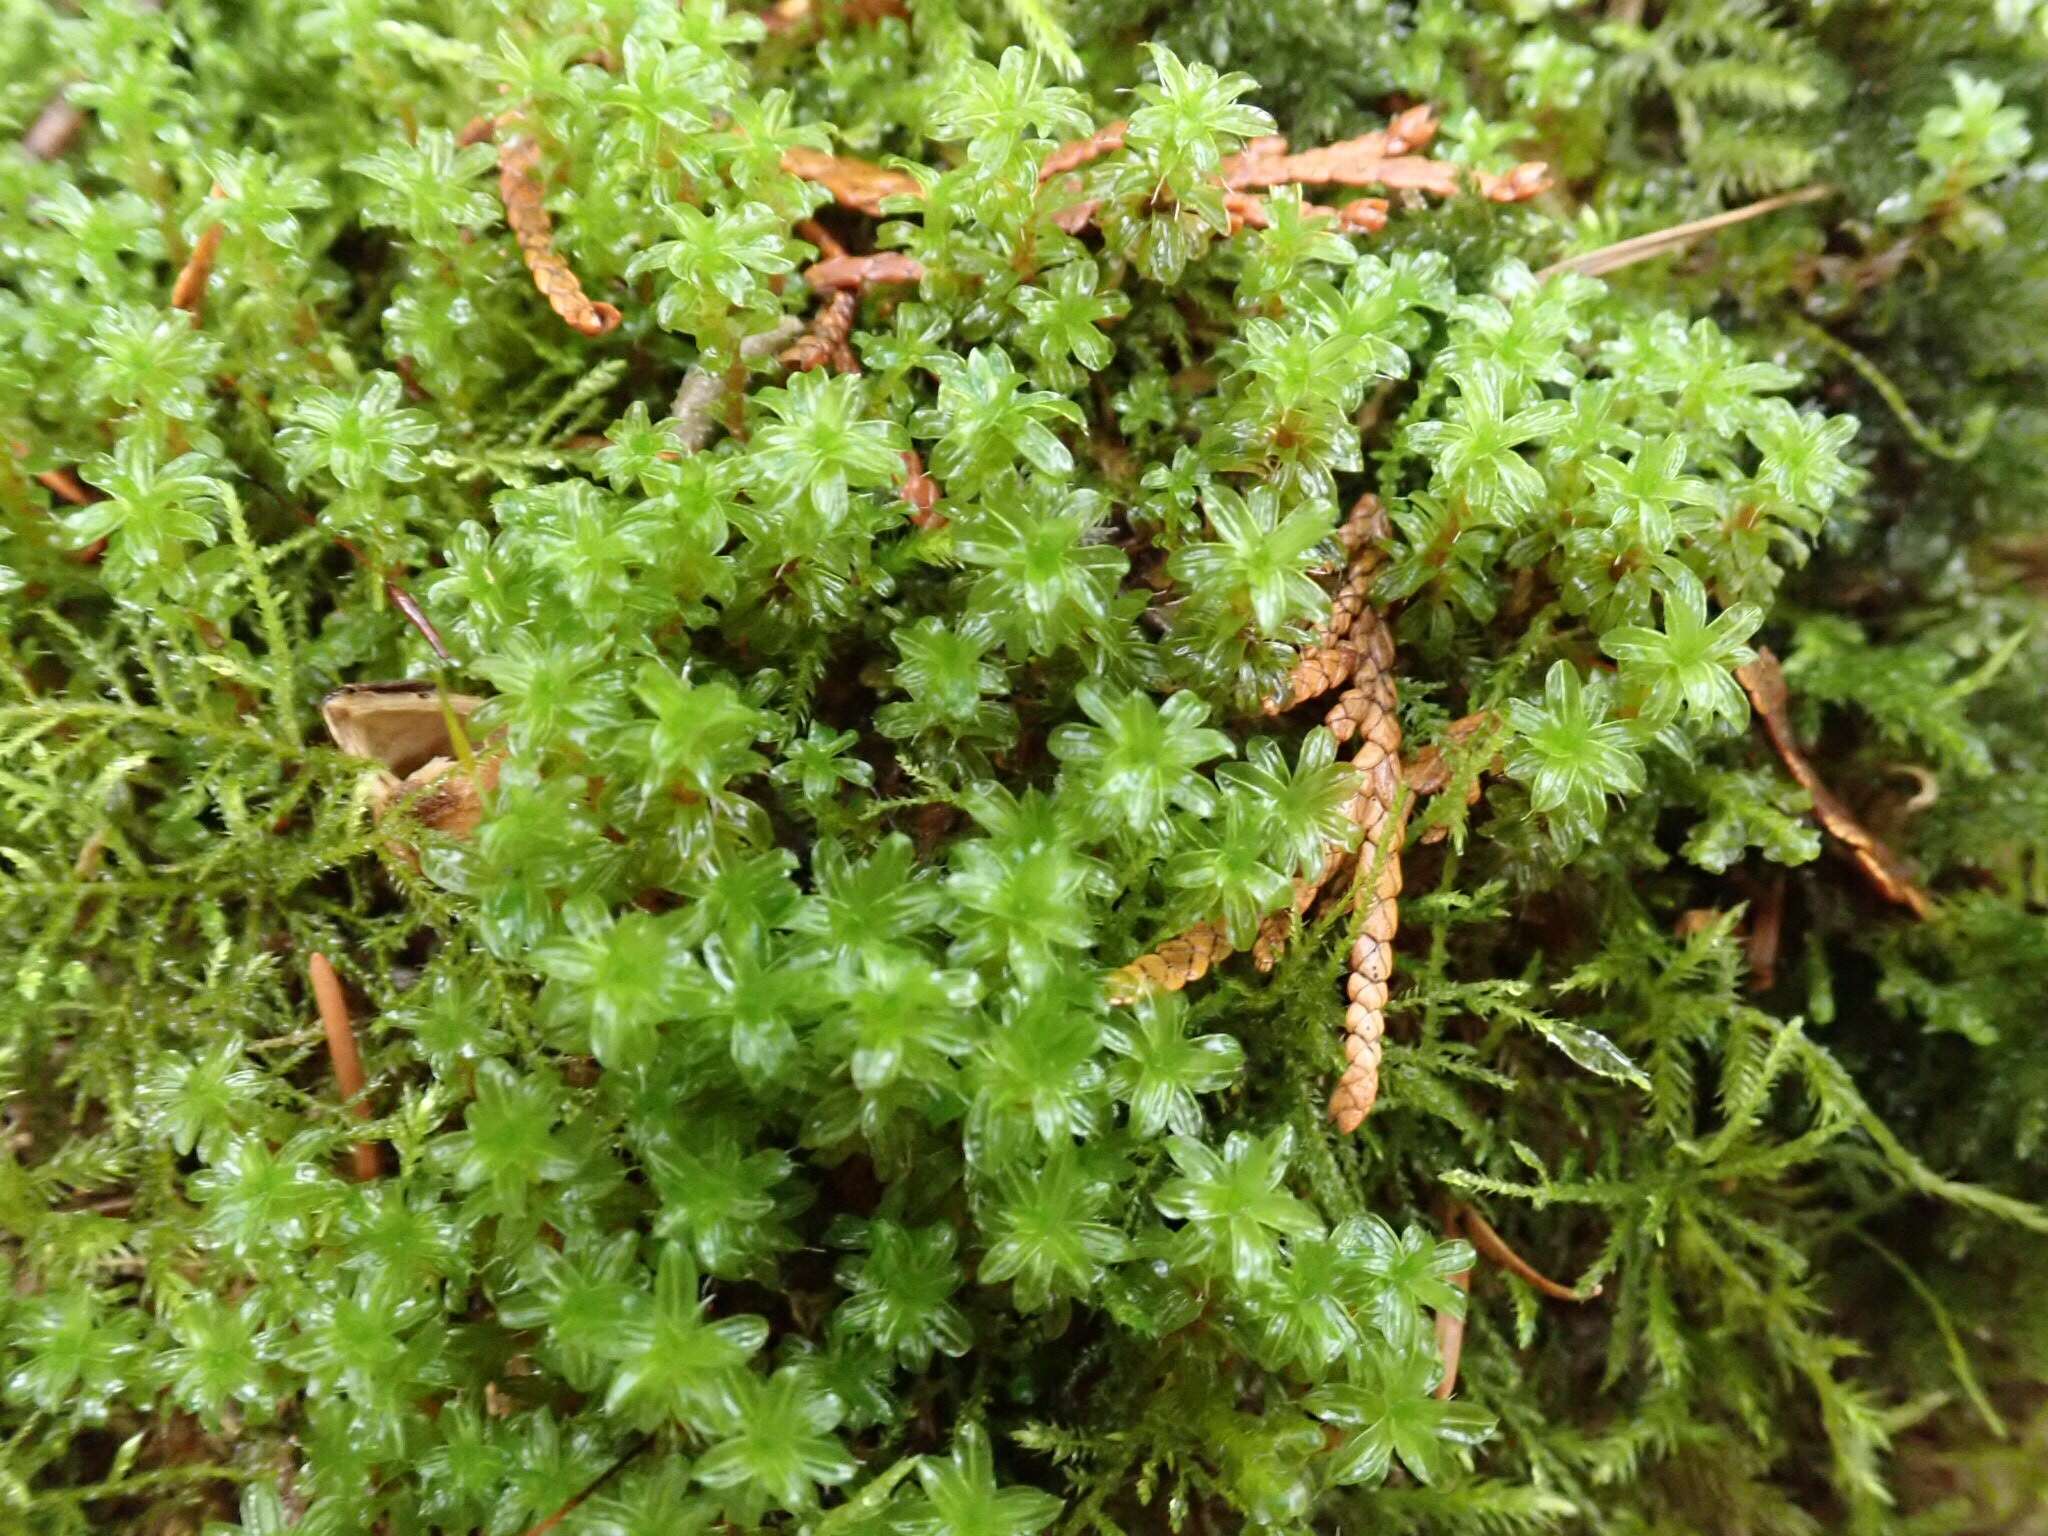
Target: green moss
x: 760, y: 1147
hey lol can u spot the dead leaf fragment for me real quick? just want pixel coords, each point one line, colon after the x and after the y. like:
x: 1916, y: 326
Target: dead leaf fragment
x: 399, y: 724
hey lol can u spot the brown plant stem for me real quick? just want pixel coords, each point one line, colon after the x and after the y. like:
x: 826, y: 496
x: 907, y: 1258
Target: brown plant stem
x: 1492, y: 1245
x: 1764, y: 681
x: 341, y: 1049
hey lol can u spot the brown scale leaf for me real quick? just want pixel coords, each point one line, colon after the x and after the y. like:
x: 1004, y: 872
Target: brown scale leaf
x: 520, y: 189
x: 1764, y: 681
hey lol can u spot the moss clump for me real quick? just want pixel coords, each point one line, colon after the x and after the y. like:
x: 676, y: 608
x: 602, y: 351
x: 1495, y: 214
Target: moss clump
x: 875, y: 464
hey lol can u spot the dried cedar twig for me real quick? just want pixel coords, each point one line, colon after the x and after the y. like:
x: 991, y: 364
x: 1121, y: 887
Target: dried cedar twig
x: 1071, y: 157
x: 921, y: 491
x: 341, y: 1048
x: 520, y: 189
x: 825, y: 340
x: 1380, y: 808
x: 1181, y: 960
x: 1495, y: 1247
x: 694, y: 415
x: 1529, y: 179
x: 1764, y: 681
x: 857, y: 184
x: 856, y: 272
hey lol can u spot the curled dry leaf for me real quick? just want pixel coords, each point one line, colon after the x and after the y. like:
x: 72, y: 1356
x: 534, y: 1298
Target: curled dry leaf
x: 520, y: 190
x: 401, y: 727
x: 1764, y: 681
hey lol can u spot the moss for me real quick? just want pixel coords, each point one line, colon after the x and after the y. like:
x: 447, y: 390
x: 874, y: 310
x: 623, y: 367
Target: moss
x: 818, y: 939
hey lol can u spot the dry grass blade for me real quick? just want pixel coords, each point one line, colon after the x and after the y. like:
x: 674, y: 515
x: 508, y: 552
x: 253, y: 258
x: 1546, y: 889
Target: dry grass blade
x: 1764, y: 681
x: 1624, y: 253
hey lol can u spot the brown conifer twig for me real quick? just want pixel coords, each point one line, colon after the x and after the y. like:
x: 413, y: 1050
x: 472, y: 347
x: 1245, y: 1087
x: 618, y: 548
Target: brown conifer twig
x: 519, y: 189
x: 1764, y: 681
x: 1180, y: 961
x: 856, y: 272
x: 1492, y: 1245
x: 921, y: 491
x: 825, y: 341
x: 1380, y: 808
x: 341, y: 1049
x: 1072, y: 156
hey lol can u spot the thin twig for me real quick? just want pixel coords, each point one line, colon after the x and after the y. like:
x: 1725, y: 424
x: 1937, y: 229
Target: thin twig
x: 1626, y: 253
x: 1495, y: 1247
x: 341, y: 1047
x: 591, y: 1487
